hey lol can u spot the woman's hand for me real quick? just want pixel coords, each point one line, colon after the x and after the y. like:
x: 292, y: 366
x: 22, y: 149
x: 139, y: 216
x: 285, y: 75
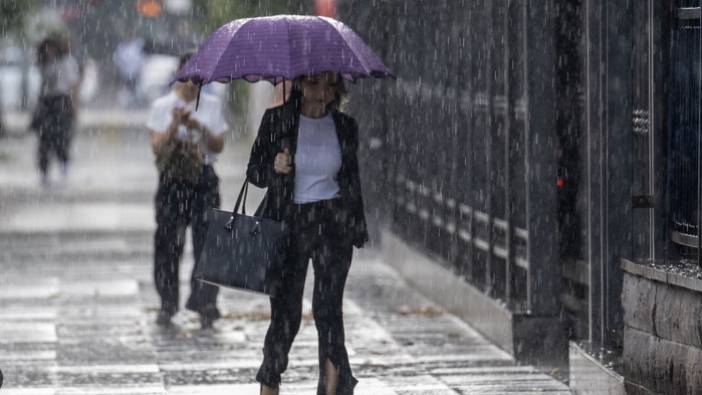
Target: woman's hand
x: 281, y: 164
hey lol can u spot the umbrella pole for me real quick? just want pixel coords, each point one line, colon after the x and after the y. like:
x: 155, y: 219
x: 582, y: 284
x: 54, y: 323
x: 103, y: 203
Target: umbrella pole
x: 197, y: 101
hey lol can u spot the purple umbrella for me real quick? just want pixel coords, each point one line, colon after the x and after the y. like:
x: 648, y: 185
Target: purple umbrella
x: 279, y: 48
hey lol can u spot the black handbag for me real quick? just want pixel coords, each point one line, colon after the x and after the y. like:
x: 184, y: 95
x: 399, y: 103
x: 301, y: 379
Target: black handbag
x: 242, y: 252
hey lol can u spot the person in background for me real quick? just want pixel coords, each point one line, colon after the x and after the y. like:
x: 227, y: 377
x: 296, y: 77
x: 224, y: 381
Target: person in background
x: 57, y: 107
x: 129, y: 59
x: 185, y: 142
x: 305, y: 155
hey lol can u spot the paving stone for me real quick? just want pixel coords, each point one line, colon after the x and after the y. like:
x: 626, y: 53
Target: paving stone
x: 28, y: 376
x: 27, y: 332
x: 109, y: 390
x: 35, y: 390
x: 28, y: 288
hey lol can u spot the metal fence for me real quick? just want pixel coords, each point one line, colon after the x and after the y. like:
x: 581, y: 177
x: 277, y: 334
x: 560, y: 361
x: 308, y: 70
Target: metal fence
x: 685, y: 122
x: 531, y: 145
x: 461, y: 149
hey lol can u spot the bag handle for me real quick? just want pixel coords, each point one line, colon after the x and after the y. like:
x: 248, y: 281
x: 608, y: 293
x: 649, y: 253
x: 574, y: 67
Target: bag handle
x: 245, y: 191
x: 242, y: 194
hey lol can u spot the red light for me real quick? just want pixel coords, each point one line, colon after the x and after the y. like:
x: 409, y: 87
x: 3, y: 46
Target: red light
x: 560, y: 183
x: 325, y: 8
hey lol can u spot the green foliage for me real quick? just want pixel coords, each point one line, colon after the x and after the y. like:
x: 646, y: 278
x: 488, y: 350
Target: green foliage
x: 12, y: 13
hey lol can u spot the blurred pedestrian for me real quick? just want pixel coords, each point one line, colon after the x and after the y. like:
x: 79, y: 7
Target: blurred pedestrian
x: 305, y: 154
x: 57, y: 107
x: 186, y: 142
x: 129, y: 58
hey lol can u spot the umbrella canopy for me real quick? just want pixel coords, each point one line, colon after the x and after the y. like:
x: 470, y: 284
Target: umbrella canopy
x: 279, y: 48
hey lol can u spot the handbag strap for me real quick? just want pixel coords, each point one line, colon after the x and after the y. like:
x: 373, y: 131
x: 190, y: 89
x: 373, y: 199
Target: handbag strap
x: 242, y: 194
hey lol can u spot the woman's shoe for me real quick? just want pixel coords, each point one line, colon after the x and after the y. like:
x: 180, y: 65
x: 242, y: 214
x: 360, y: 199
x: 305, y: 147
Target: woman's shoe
x: 163, y: 319
x: 206, y: 322
x: 208, y: 315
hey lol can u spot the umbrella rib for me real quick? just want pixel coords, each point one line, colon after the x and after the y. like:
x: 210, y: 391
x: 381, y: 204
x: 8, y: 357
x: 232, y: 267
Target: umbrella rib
x: 219, y: 58
x: 287, y: 73
x: 343, y: 39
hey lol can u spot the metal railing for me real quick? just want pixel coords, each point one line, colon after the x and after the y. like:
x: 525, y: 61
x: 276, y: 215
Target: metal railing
x: 468, y: 140
x: 684, y: 108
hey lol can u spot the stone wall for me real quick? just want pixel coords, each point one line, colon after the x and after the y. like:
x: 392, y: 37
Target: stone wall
x: 662, y: 331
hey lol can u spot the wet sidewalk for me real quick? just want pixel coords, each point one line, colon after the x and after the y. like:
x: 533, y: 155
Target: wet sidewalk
x: 77, y: 303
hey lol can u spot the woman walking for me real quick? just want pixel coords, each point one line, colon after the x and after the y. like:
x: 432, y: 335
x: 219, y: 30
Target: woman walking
x: 58, y: 103
x: 305, y: 154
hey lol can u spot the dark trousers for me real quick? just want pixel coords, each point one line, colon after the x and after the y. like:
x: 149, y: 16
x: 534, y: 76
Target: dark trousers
x: 317, y: 232
x: 54, y: 123
x: 179, y: 205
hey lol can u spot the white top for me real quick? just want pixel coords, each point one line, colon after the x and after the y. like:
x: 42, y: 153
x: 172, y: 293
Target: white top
x: 59, y: 76
x: 129, y: 58
x: 209, y: 113
x: 317, y: 160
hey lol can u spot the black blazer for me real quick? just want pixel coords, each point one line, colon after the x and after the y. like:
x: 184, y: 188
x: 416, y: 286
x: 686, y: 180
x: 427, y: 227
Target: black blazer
x: 279, y: 129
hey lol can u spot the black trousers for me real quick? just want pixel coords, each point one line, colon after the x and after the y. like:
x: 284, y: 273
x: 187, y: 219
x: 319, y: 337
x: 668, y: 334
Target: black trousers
x: 179, y: 205
x: 317, y: 232
x: 54, y: 125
